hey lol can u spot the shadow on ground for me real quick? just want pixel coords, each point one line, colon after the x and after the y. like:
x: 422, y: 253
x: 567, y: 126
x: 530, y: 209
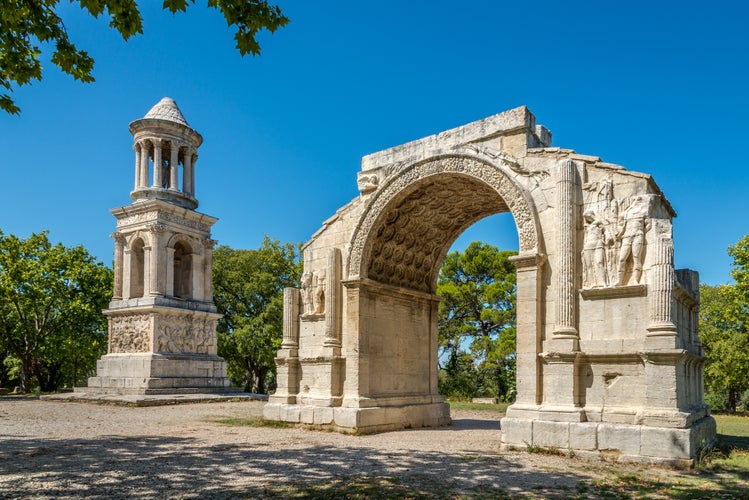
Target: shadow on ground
x: 147, y: 467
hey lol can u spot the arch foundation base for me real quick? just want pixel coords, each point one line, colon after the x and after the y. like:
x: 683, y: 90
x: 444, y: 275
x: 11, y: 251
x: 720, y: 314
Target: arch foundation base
x: 361, y: 420
x: 671, y: 447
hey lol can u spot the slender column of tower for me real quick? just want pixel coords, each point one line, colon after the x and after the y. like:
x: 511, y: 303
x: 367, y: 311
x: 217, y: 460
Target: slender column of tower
x: 158, y: 181
x: 187, y: 172
x: 144, y: 152
x: 174, y: 167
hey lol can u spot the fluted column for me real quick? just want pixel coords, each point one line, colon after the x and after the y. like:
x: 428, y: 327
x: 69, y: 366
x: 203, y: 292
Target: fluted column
x: 119, y: 246
x: 137, y: 148
x: 155, y: 284
x: 565, y: 289
x: 170, y: 271
x: 187, y: 171
x: 174, y: 168
x: 661, y: 289
x: 290, y: 318
x: 333, y: 299
x: 157, y: 167
x: 208, y: 245
x: 144, y: 150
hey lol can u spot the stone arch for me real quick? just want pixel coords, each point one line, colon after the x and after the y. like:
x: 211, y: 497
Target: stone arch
x: 137, y: 267
x: 182, y: 279
x: 419, y: 212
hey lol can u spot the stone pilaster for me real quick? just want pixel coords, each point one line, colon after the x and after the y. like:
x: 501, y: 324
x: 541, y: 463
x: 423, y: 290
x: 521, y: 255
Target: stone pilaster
x: 119, y: 246
x: 208, y: 245
x: 156, y: 280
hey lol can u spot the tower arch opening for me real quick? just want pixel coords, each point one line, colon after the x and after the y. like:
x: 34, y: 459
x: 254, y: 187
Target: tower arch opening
x: 137, y: 268
x: 182, y: 270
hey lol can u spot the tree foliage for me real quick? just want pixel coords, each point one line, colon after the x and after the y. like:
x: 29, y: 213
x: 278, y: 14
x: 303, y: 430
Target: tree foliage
x: 25, y: 24
x: 52, y: 329
x: 248, y: 291
x: 724, y: 332
x: 476, y: 322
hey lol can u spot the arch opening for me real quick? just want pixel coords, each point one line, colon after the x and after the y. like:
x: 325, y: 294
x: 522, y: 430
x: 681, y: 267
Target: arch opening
x: 405, y: 252
x: 182, y: 271
x: 409, y: 242
x: 137, y: 268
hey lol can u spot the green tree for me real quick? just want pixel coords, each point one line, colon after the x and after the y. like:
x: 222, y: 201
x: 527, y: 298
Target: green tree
x: 248, y: 291
x: 724, y: 332
x: 51, y: 298
x: 24, y: 24
x: 476, y: 322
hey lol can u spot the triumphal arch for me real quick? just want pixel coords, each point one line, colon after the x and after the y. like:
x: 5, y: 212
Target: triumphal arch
x: 608, y: 355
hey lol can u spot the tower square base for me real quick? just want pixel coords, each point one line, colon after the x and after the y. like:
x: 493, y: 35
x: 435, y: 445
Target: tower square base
x: 159, y: 374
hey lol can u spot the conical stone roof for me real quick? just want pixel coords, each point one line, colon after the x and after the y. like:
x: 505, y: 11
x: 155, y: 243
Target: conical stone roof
x: 166, y: 109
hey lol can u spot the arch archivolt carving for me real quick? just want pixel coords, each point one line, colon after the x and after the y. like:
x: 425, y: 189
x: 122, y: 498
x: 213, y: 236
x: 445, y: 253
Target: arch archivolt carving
x: 193, y: 246
x: 401, y: 239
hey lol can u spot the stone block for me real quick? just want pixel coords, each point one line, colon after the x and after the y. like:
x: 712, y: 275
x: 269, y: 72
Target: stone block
x: 323, y: 415
x: 622, y: 438
x: 290, y: 413
x: 516, y: 432
x: 551, y: 434
x: 666, y: 443
x: 583, y: 436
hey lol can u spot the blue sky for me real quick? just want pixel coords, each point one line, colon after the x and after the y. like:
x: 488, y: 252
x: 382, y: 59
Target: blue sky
x: 658, y: 87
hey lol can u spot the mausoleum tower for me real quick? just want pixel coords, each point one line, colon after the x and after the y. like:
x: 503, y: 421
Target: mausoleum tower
x: 162, y: 320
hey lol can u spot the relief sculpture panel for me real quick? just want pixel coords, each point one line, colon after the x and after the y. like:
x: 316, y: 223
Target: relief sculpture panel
x: 614, y: 236
x: 129, y: 334
x: 184, y: 334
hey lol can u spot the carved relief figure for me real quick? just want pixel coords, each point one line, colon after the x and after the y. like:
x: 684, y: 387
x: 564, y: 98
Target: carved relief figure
x: 129, y: 334
x: 633, y: 225
x: 614, y: 236
x: 313, y: 292
x: 307, y: 292
x: 184, y: 334
x: 368, y: 182
x: 318, y: 298
x: 597, y: 240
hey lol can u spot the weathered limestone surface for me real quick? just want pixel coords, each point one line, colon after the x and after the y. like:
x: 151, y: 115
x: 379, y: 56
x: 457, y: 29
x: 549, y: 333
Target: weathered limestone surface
x: 609, y: 358
x: 162, y: 321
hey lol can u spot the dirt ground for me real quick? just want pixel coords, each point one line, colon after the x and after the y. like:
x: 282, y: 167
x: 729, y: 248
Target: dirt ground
x: 65, y: 449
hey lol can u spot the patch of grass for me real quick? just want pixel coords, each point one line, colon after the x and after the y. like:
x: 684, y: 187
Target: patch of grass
x: 381, y: 487
x: 468, y: 406
x: 721, y: 473
x: 251, y: 422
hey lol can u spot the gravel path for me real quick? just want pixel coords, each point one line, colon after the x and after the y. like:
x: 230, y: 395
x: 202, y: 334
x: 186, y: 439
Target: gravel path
x: 54, y: 449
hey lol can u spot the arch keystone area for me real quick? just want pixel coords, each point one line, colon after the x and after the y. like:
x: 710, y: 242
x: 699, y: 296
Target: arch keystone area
x: 608, y: 353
